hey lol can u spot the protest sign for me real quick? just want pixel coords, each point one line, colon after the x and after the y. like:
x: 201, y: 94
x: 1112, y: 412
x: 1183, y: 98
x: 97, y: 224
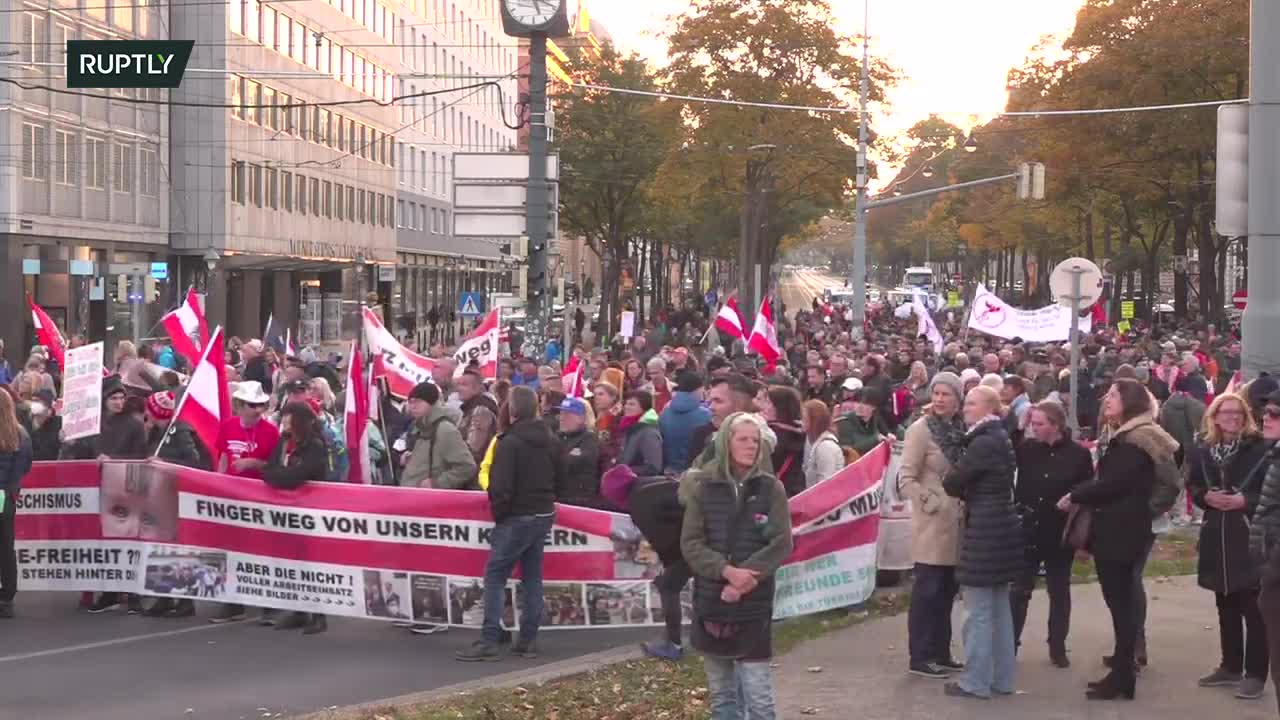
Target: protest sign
x: 994, y: 316
x: 628, y: 324
x: 402, y: 367
x: 82, y: 392
x: 388, y: 552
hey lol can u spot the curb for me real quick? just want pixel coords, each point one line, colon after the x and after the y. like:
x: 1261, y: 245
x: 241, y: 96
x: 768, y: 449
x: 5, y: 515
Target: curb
x: 530, y: 676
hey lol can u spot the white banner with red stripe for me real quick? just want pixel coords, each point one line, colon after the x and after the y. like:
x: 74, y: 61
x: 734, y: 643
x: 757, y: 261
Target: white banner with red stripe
x: 387, y: 552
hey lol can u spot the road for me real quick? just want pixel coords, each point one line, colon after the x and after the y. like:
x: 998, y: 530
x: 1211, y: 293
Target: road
x: 798, y: 288
x: 60, y: 663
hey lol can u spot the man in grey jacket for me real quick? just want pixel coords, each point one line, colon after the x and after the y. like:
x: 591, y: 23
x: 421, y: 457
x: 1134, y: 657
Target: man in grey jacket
x: 439, y: 457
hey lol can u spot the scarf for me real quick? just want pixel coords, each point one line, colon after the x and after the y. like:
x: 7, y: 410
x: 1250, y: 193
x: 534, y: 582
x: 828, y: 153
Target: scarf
x: 625, y: 422
x: 1223, y: 452
x: 949, y: 436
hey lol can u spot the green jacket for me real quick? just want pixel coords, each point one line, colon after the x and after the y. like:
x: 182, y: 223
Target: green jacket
x: 861, y: 435
x: 440, y: 457
x: 708, y: 562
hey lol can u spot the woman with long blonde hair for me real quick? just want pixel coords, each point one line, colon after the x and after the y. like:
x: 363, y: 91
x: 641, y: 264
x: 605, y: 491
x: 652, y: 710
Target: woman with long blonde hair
x: 15, y: 463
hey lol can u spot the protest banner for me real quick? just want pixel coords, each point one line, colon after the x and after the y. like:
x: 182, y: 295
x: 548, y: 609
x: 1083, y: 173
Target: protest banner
x: 994, y: 316
x: 893, y: 548
x: 388, y: 552
x: 401, y: 367
x: 82, y: 392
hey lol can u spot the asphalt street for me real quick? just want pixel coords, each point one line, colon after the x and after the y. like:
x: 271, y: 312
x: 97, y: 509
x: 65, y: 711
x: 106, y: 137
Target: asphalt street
x: 798, y: 288
x: 59, y: 663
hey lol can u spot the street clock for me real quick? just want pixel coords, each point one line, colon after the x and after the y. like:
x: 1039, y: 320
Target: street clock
x: 522, y: 18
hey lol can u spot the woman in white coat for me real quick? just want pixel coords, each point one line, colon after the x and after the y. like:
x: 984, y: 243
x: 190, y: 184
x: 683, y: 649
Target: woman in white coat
x: 822, y: 454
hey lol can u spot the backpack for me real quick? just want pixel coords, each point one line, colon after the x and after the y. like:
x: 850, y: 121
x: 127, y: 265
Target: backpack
x: 338, y: 464
x: 1167, y: 488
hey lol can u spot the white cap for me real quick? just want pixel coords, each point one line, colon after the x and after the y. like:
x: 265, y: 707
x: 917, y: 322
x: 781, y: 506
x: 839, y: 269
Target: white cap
x: 250, y: 392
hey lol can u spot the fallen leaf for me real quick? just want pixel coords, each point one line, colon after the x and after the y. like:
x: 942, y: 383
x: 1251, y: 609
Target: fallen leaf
x: 521, y: 691
x: 815, y: 669
x: 809, y: 711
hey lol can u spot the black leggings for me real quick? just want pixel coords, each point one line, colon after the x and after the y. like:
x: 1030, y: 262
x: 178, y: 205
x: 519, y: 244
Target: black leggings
x: 670, y: 584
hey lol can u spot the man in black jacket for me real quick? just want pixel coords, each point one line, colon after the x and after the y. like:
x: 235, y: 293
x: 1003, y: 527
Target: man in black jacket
x: 580, y: 450
x: 527, y: 469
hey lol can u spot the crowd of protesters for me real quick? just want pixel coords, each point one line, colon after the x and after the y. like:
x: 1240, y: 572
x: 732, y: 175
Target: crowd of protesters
x: 690, y: 437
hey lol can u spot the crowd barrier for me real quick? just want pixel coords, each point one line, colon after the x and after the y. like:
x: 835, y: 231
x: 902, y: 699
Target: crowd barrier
x: 390, y: 553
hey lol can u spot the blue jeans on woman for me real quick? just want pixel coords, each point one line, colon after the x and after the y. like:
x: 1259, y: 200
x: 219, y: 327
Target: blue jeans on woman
x: 739, y: 689
x: 988, y: 641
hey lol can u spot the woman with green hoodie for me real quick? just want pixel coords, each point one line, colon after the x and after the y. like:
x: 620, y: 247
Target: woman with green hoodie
x: 641, y: 438
x: 736, y: 534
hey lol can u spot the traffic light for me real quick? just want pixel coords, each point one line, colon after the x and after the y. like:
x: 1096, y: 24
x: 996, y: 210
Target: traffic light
x: 1031, y: 181
x: 1233, y: 171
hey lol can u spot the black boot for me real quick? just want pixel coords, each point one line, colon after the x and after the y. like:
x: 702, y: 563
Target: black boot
x: 318, y: 624
x: 1112, y: 687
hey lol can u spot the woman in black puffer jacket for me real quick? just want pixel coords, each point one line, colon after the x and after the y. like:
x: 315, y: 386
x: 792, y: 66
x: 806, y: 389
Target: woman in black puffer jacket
x: 1264, y: 533
x: 991, y: 555
x: 1222, y: 467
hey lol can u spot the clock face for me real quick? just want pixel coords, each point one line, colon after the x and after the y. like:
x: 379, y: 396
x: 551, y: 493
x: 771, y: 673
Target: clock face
x: 533, y: 13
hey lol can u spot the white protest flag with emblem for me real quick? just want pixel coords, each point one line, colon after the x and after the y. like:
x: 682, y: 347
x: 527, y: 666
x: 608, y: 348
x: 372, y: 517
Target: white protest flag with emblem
x: 206, y: 402
x: 481, y: 347
x: 402, y: 367
x: 926, y: 326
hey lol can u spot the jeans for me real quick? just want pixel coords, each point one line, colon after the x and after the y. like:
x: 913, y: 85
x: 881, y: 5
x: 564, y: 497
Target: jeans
x: 1058, y: 582
x: 517, y: 539
x: 929, y: 618
x: 1244, y: 639
x: 739, y: 689
x: 1116, y: 579
x: 8, y: 556
x: 988, y: 641
x: 1269, y: 608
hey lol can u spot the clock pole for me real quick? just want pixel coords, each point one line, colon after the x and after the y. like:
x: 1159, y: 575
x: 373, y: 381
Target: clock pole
x: 537, y: 218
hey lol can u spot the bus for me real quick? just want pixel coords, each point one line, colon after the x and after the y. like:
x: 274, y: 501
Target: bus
x: 921, y: 277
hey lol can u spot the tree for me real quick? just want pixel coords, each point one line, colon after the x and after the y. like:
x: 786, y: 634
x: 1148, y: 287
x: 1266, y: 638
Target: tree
x: 611, y: 146
x: 787, y: 167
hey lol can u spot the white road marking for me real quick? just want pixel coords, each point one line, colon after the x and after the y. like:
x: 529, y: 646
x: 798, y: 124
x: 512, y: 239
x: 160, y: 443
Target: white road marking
x: 112, y: 642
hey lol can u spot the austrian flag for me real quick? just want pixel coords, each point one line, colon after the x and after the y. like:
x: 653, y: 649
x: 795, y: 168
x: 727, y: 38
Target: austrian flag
x: 206, y: 403
x: 764, y: 337
x: 729, y: 320
x: 184, y: 323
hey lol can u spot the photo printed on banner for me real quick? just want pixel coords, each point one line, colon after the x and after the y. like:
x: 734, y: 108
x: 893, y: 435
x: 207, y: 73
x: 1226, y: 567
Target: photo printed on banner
x: 466, y: 603
x: 186, y: 572
x: 385, y: 594
x: 430, y: 598
x: 139, y: 501
x: 655, y: 603
x: 564, y: 604
x: 618, y: 603
x: 633, y: 558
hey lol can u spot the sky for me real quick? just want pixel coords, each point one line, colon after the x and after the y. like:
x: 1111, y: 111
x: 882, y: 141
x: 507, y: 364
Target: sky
x: 954, y: 57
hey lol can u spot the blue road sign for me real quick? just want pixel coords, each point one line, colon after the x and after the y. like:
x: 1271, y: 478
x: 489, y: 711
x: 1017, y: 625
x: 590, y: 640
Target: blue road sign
x: 471, y: 304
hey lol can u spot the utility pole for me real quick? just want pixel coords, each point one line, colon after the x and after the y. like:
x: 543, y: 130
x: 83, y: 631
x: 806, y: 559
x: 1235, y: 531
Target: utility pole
x: 537, y: 218
x: 858, y: 277
x: 1261, y: 351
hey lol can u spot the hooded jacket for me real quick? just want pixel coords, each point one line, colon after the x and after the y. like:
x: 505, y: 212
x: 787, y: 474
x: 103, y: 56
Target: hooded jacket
x: 742, y: 521
x: 291, y: 469
x: 479, y: 424
x: 788, y: 456
x: 440, y: 457
x: 682, y: 416
x: 642, y: 446
x: 1182, y: 417
x: 1120, y: 495
x: 120, y: 437
x: 527, y: 469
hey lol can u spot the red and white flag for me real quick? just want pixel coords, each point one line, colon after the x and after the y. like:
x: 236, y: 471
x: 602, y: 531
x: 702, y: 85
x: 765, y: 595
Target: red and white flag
x: 1237, y: 379
x: 356, y: 419
x: 207, y: 401
x: 764, y: 337
x: 184, y: 322
x: 729, y: 320
x: 402, y: 367
x: 289, y: 349
x: 47, y: 334
x: 572, y: 378
x: 482, y: 347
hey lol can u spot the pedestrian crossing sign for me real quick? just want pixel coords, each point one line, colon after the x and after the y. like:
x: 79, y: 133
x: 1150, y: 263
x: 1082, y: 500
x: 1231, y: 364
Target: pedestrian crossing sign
x: 471, y: 304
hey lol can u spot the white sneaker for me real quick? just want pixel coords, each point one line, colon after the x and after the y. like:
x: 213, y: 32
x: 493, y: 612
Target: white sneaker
x: 427, y: 629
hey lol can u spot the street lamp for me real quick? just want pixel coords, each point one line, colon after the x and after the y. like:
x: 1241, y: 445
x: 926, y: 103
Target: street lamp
x: 211, y: 258
x: 927, y: 171
x: 970, y: 145
x: 897, y: 190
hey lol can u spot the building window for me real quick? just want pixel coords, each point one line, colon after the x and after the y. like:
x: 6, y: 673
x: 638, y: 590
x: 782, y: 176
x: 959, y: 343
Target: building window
x: 235, y: 16
x: 328, y: 199
x: 286, y: 112
x: 302, y: 194
x: 122, y: 14
x: 148, y: 171
x: 315, y: 196
x: 360, y: 206
x: 269, y: 111
x: 351, y: 203
x: 237, y: 182
x: 252, y: 101
x: 338, y: 194
x: 255, y: 185
x: 61, y: 34
x: 122, y: 168
x: 286, y: 190
x: 33, y: 49
x: 400, y: 218
x: 34, y: 156
x: 66, y: 165
x: 325, y: 138
x: 237, y: 96
x: 95, y: 176
x: 388, y: 211
x: 272, y: 191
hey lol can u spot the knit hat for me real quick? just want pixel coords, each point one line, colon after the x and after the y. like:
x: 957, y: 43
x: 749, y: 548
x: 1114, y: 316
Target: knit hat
x: 613, y: 378
x: 1261, y: 389
x: 951, y: 381
x: 161, y: 405
x: 426, y: 392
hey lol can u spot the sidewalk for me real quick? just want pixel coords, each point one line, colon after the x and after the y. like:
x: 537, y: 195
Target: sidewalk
x: 864, y: 668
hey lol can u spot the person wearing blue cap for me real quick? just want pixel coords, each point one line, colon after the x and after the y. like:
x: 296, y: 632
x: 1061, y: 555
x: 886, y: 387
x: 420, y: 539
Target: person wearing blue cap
x: 581, y: 454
